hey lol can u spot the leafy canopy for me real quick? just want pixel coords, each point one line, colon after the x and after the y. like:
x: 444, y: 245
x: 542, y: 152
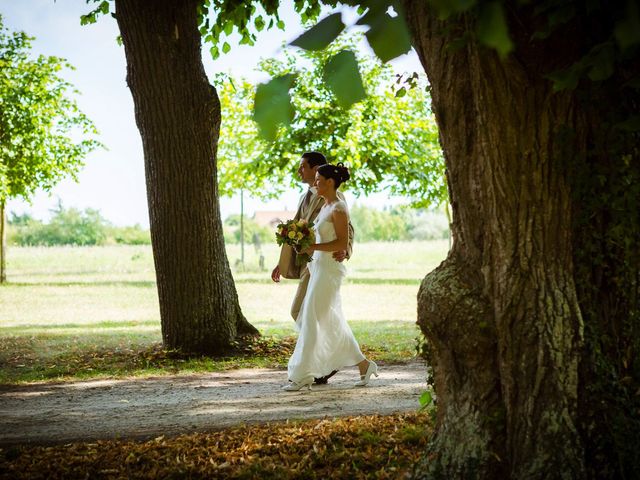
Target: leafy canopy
x: 399, y: 153
x: 43, y: 135
x: 390, y: 141
x: 489, y: 24
x: 492, y: 23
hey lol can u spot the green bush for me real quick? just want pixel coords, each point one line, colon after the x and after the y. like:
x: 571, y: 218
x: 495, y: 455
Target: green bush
x: 253, y: 233
x: 72, y: 227
x: 66, y: 227
x: 428, y: 225
x: 377, y: 225
x: 400, y: 223
x: 134, y: 235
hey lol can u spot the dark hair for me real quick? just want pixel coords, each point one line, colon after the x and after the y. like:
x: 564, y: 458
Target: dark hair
x: 314, y: 158
x: 339, y: 173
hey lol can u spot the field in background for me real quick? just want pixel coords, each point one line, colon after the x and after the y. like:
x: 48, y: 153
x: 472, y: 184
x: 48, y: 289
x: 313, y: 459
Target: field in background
x: 93, y: 298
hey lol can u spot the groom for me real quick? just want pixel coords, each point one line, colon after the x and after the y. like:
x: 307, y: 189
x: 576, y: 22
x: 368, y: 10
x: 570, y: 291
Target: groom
x: 309, y: 206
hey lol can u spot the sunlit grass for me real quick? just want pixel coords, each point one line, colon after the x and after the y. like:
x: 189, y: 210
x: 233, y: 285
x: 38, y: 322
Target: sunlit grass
x: 70, y: 312
x: 117, y: 264
x: 67, y: 351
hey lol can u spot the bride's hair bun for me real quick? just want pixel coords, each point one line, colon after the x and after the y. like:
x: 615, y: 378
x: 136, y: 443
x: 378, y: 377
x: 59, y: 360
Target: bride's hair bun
x: 339, y: 173
x: 343, y: 171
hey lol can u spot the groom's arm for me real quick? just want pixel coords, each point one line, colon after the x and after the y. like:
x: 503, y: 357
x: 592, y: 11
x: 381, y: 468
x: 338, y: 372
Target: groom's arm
x: 276, y: 273
x: 342, y: 255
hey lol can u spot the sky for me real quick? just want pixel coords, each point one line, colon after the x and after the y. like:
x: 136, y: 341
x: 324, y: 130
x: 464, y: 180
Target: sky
x: 112, y: 180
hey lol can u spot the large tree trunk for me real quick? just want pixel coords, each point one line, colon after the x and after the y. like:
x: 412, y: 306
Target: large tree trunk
x: 178, y: 115
x: 3, y: 243
x: 501, y: 313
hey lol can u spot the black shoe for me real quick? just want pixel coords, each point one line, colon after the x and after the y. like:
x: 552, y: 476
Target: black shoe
x: 324, y: 380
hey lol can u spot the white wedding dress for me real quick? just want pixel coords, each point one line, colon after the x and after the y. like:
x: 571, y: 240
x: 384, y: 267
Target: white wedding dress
x: 325, y: 342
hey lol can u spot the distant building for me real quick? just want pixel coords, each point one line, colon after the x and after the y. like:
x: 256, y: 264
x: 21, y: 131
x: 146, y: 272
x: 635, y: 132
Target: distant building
x: 271, y: 218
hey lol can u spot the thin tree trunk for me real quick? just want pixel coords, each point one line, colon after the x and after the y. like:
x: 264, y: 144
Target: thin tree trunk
x: 178, y: 115
x: 501, y: 312
x: 3, y: 243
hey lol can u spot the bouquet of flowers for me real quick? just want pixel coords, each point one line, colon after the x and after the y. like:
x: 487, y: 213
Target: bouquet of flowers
x: 299, y: 234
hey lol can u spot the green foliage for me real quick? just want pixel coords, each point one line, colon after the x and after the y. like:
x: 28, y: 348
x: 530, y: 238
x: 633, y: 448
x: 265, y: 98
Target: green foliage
x: 91, y: 17
x: 239, y: 144
x: 232, y: 220
x: 67, y: 227
x: 132, y: 235
x: 383, y: 29
x: 20, y: 220
x: 273, y: 105
x: 219, y: 19
x: 322, y: 34
x: 389, y: 38
x: 492, y: 27
x: 426, y: 399
x: 253, y: 233
x: 72, y: 227
x: 397, y: 224
x: 341, y: 75
x: 40, y: 123
x: 375, y: 225
x: 389, y: 142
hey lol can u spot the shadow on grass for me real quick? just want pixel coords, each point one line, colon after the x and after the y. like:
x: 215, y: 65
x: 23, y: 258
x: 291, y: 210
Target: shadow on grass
x: 62, y: 357
x: 93, y: 283
x: 27, y: 355
x: 152, y: 284
x: 86, y: 326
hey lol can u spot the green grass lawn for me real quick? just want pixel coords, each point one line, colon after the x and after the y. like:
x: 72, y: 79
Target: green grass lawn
x: 76, y: 312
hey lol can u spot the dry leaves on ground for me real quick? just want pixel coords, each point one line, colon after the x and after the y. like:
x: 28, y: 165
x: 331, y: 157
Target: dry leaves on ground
x: 20, y: 362
x: 377, y: 447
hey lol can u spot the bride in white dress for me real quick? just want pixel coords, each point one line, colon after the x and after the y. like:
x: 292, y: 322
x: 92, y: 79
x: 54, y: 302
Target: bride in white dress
x: 326, y: 342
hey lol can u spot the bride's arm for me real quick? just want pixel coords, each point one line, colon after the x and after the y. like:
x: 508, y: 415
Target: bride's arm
x: 341, y: 225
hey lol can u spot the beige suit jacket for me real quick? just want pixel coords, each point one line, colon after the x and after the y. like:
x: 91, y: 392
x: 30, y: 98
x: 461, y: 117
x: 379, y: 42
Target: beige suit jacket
x: 287, y: 262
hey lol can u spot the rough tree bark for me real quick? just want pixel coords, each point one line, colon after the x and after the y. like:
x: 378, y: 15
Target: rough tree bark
x: 178, y: 114
x: 501, y: 312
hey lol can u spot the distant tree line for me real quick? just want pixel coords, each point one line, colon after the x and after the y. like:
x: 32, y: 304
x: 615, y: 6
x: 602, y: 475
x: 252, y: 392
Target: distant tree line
x: 71, y: 226
x: 400, y: 223
x: 253, y: 232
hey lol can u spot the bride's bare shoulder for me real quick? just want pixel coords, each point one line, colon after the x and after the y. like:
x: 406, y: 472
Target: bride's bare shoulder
x: 340, y: 206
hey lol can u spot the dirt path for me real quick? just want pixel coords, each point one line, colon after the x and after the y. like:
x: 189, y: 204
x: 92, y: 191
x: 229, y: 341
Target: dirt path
x: 142, y: 408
